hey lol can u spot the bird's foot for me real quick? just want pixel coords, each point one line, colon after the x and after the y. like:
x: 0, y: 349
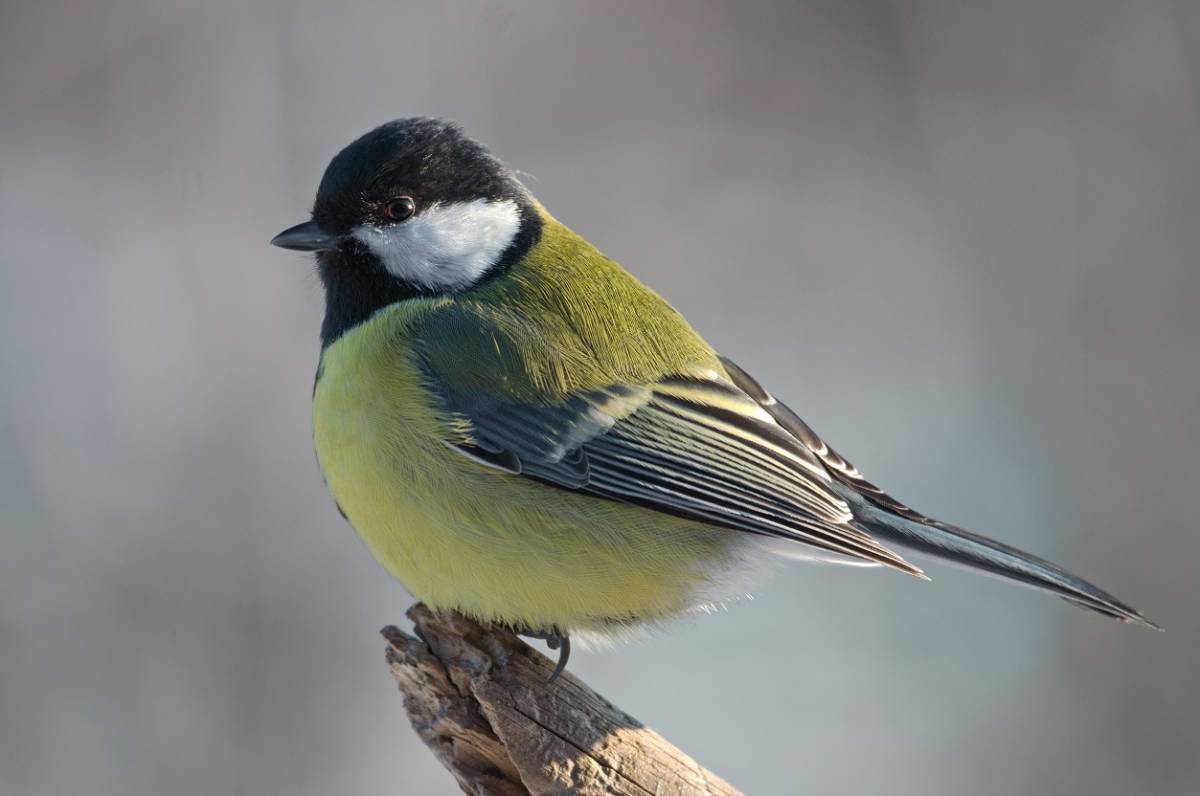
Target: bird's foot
x: 555, y: 640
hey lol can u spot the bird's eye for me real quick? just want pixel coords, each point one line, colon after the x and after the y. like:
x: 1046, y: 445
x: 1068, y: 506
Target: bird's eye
x: 400, y: 208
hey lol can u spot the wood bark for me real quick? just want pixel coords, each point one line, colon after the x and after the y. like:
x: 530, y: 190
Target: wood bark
x: 478, y: 697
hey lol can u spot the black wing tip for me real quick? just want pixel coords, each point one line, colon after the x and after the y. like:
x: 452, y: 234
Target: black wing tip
x: 1136, y: 618
x: 903, y: 565
x: 1144, y: 622
x: 1116, y: 610
x: 1053, y: 579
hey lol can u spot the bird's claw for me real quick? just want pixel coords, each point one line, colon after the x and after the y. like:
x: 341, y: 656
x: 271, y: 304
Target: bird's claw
x: 555, y: 640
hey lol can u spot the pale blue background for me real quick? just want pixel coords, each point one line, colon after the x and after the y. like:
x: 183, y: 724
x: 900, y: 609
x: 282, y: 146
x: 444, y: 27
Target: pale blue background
x: 960, y: 238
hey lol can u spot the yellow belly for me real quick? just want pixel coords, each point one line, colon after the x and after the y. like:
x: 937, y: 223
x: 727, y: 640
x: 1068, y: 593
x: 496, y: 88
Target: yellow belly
x: 464, y: 536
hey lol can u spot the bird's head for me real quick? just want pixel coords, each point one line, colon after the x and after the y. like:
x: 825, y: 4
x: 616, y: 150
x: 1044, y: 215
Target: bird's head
x: 413, y: 207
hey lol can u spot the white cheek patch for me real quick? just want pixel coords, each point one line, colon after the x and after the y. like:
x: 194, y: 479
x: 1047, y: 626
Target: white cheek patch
x: 447, y: 246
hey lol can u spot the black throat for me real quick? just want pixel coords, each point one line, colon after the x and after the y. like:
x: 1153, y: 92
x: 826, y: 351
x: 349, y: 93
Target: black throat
x: 357, y: 286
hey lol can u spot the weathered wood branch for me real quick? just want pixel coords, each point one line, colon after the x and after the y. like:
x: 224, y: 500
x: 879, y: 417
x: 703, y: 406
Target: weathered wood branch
x: 479, y: 699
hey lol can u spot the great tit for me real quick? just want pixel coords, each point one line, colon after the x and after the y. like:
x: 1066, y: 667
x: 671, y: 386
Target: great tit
x: 523, y: 432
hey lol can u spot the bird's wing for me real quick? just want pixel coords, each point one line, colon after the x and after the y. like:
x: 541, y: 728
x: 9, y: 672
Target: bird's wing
x: 696, y: 446
x: 836, y: 464
x: 896, y: 523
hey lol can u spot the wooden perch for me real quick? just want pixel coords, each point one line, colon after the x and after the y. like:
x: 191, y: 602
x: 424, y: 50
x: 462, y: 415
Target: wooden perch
x: 478, y: 697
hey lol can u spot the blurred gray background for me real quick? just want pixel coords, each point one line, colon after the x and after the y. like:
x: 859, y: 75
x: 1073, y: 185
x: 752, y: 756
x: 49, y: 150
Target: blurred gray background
x: 960, y: 238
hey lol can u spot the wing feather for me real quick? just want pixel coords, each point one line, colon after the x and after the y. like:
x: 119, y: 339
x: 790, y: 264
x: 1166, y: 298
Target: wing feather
x: 699, y: 448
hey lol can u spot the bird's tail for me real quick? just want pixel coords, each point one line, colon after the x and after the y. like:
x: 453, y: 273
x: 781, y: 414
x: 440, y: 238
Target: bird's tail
x: 960, y: 546
x: 891, y: 522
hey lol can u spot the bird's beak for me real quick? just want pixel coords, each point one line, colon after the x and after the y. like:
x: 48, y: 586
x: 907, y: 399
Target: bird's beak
x: 306, y: 237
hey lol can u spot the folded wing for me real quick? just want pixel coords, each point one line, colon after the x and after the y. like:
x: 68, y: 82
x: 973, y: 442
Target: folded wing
x: 697, y: 447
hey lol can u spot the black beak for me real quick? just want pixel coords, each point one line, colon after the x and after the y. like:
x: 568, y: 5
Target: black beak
x: 306, y: 237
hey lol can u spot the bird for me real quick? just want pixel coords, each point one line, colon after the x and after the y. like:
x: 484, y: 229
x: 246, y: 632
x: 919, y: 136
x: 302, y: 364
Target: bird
x: 523, y: 432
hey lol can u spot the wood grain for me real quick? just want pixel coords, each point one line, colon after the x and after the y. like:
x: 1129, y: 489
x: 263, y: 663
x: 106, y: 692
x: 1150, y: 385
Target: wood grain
x: 478, y: 697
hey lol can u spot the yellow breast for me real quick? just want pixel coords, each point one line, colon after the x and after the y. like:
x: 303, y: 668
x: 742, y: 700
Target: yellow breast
x: 461, y: 535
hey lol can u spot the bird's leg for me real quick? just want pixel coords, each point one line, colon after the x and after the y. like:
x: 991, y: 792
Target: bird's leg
x: 555, y: 640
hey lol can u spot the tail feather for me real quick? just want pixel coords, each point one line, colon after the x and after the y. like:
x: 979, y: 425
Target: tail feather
x: 960, y: 546
x: 891, y: 522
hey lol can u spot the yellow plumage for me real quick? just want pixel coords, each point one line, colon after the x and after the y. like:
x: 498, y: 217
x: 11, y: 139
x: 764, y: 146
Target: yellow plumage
x: 461, y: 535
x: 522, y: 431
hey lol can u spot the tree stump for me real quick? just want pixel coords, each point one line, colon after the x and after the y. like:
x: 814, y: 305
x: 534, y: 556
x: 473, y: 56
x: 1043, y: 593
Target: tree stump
x: 478, y: 697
